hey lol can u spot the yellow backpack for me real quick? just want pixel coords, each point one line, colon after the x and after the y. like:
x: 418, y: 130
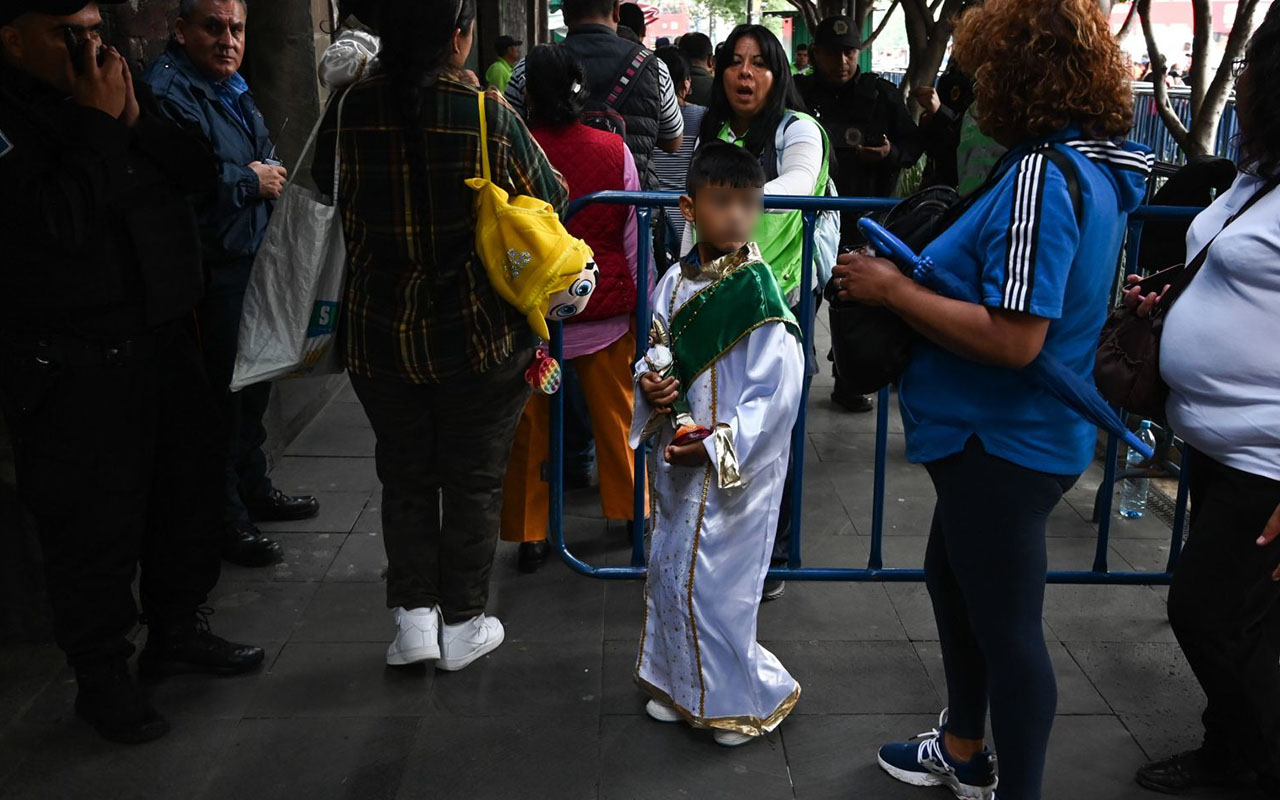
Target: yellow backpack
x: 526, y: 250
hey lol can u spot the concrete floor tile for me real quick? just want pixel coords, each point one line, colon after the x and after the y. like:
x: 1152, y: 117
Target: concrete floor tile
x: 342, y: 429
x: 259, y: 611
x: 833, y: 757
x: 347, y: 612
x: 68, y: 761
x: 1107, y: 614
x: 339, y: 511
x: 1094, y: 757
x: 524, y: 757
x: 270, y: 759
x: 307, y: 557
x: 821, y: 611
x: 1151, y: 687
x: 553, y: 605
x: 526, y: 678
x: 370, y: 520
x: 623, y: 610
x: 620, y: 694
x: 641, y: 759
x: 362, y: 559
x: 310, y: 475
x: 26, y: 671
x: 915, y: 610
x: 201, y: 697
x: 858, y: 677
x: 348, y: 679
x: 1150, y: 555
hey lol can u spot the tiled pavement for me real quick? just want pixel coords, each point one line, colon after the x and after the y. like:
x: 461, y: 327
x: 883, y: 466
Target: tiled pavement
x: 552, y: 714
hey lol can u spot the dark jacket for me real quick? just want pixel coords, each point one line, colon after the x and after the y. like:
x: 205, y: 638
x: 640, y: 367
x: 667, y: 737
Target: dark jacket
x: 233, y: 218
x: 604, y: 55
x: 863, y: 110
x: 700, y: 82
x: 97, y: 234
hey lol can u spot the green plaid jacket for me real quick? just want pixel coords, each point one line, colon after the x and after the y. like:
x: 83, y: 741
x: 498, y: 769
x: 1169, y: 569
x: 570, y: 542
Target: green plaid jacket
x: 419, y: 307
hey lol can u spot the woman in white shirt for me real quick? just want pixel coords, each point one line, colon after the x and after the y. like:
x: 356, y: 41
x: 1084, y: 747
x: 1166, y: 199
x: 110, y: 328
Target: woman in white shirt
x: 1219, y: 356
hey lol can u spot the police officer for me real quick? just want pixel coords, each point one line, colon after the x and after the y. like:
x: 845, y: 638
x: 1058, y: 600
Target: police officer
x: 101, y: 384
x: 872, y: 134
x: 197, y: 83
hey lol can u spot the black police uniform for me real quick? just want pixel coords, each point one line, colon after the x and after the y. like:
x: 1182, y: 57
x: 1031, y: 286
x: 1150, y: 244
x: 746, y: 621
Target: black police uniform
x: 863, y: 111
x: 101, y: 383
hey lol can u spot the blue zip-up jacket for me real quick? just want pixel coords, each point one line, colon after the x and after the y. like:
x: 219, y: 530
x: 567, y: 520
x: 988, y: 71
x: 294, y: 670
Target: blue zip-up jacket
x: 1022, y: 245
x: 234, y: 219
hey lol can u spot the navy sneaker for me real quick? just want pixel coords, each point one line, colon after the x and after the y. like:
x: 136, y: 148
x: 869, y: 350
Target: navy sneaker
x: 923, y: 762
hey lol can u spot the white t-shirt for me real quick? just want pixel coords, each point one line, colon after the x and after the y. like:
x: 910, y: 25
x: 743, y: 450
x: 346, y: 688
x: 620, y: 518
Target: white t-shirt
x: 1220, y: 351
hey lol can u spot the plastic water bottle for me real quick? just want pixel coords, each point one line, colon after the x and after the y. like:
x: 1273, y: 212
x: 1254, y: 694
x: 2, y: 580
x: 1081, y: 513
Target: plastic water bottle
x: 1133, y: 495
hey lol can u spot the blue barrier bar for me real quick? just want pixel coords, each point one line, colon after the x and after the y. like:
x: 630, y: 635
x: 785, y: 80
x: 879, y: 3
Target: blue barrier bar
x: 875, y: 571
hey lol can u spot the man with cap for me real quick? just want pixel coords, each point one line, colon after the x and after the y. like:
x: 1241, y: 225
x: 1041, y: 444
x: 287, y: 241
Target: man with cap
x: 872, y: 135
x: 101, y: 383
x: 500, y: 71
x: 198, y: 85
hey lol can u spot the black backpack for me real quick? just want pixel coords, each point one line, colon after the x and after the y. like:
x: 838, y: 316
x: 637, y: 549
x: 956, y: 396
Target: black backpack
x: 871, y: 345
x: 602, y: 112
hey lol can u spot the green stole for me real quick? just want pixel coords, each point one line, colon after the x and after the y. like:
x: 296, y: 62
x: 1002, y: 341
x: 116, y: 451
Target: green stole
x: 781, y: 234
x: 724, y: 313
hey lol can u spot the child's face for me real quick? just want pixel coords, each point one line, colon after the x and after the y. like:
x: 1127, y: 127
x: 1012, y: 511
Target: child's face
x: 724, y: 217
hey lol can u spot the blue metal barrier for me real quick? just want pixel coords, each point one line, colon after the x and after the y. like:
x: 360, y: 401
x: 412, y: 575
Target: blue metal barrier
x: 875, y: 569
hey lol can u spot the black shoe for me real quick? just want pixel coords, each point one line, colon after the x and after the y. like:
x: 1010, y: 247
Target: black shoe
x: 110, y: 701
x: 185, y: 645
x: 276, y: 506
x: 532, y: 555
x: 245, y: 546
x: 854, y: 403
x: 1192, y: 771
x: 773, y: 590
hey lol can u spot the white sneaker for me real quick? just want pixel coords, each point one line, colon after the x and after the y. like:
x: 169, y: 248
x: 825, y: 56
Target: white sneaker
x: 662, y: 712
x: 418, y: 637
x: 733, y: 738
x: 465, y: 642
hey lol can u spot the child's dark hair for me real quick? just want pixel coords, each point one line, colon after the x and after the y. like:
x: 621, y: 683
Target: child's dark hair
x: 718, y: 163
x: 556, y: 85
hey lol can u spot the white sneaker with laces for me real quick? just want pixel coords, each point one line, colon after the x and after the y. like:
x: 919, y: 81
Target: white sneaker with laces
x: 662, y: 712
x: 417, y: 638
x: 733, y: 738
x: 465, y: 642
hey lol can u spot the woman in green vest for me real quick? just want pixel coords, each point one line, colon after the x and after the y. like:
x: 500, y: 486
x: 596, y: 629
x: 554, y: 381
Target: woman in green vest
x: 754, y: 104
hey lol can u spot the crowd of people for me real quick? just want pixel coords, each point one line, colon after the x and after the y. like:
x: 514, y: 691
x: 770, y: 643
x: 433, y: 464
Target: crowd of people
x: 133, y: 207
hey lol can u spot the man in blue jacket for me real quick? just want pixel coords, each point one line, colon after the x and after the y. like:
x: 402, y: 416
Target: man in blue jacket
x: 198, y: 84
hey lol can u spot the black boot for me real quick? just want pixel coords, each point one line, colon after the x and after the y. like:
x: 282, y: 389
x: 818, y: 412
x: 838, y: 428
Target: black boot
x: 244, y: 545
x: 184, y: 644
x: 532, y: 556
x: 110, y: 701
x: 276, y: 506
x: 1193, y: 771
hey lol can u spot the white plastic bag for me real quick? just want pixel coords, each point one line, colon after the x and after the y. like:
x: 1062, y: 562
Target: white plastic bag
x: 289, y: 324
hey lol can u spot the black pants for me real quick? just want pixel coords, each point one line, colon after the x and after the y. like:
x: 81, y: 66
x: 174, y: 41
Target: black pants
x: 1225, y: 611
x: 245, y: 472
x: 119, y: 464
x: 985, y: 566
x: 442, y: 454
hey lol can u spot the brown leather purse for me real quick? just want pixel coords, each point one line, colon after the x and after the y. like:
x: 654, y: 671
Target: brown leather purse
x: 1127, y: 369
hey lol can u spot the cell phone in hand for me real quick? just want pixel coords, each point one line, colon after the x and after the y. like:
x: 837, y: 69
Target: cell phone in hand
x: 1157, y: 281
x: 75, y: 46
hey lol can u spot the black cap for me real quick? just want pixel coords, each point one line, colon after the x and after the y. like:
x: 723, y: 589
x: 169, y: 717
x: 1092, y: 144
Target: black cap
x: 12, y: 9
x: 837, y: 33
x: 506, y: 41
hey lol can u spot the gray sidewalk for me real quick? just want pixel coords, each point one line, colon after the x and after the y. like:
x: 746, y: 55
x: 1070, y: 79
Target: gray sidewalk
x: 553, y: 713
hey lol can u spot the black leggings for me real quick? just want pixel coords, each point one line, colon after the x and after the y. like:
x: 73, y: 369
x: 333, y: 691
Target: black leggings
x: 985, y: 568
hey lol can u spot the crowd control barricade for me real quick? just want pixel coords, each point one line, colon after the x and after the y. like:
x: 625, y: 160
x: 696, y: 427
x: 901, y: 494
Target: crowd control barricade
x: 645, y: 203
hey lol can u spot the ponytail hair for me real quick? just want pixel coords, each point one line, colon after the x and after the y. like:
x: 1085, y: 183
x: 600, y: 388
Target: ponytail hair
x: 555, y: 86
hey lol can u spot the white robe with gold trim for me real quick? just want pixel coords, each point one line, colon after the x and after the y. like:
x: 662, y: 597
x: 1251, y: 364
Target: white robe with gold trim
x: 711, y: 546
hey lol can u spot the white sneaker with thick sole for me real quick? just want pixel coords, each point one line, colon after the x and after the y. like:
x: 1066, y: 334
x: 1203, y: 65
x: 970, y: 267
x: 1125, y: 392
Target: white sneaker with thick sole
x: 733, y: 738
x: 417, y: 638
x: 465, y: 642
x: 662, y: 712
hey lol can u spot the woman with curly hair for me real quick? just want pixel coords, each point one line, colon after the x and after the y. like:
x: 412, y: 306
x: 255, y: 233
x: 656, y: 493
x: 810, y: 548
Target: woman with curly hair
x: 1218, y: 357
x: 1039, y: 243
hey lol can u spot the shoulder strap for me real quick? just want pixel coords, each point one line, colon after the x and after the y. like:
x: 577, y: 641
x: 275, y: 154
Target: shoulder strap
x: 628, y: 78
x: 484, y: 140
x: 1069, y: 172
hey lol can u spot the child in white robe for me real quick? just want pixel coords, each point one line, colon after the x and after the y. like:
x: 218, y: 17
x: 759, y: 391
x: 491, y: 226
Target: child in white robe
x: 720, y: 392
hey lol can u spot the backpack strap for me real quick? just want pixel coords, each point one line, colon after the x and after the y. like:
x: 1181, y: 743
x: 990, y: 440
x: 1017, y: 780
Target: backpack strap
x: 1069, y: 172
x: 628, y: 78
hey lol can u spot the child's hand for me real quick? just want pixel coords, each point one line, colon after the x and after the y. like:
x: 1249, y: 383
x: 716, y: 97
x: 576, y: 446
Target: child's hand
x: 660, y: 393
x: 693, y: 454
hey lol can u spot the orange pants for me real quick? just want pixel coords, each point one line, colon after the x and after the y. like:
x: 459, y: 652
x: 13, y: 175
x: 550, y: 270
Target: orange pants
x: 606, y: 378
